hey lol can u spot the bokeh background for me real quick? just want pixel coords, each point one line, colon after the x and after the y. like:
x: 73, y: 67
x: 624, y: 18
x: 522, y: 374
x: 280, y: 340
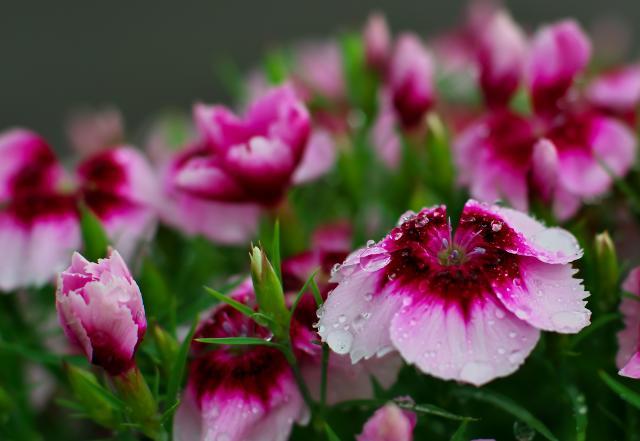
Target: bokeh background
x: 145, y: 56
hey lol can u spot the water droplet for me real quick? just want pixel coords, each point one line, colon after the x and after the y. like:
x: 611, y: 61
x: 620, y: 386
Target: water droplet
x: 496, y: 226
x: 374, y: 258
x: 340, y: 341
x: 476, y: 372
x: 335, y: 268
x: 397, y: 235
x: 558, y: 241
x: 515, y: 357
x: 320, y: 312
x: 370, y: 243
x: 342, y: 318
x: 512, y: 334
x: 407, y: 301
x: 500, y: 314
x: 521, y: 314
x: 582, y: 410
x: 501, y: 351
x: 523, y: 432
x: 368, y: 296
x: 406, y: 217
x: 422, y: 222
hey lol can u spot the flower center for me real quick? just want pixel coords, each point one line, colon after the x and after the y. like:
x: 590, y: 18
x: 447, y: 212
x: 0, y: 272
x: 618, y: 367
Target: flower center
x: 452, y: 255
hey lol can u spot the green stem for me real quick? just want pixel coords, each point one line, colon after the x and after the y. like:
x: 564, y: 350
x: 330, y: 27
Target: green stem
x: 287, y: 350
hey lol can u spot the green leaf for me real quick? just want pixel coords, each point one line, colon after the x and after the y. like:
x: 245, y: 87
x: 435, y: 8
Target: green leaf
x: 276, y: 66
x: 623, y: 391
x: 240, y: 307
x: 94, y: 237
x: 275, y: 251
x: 579, y: 404
x: 508, y: 405
x: 155, y: 291
x: 459, y: 435
x: 301, y: 293
x: 234, y: 341
x: 431, y: 409
x: 177, y: 370
x: 331, y: 435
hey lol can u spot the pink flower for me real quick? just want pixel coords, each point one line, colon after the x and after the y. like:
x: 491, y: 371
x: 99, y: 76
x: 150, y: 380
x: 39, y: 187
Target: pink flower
x: 238, y: 394
x: 250, y: 394
x: 628, y: 358
x: 411, y: 80
x: 121, y: 188
x: 617, y: 92
x: 245, y: 160
x: 90, y: 131
x: 377, y: 42
x: 318, y: 71
x: 38, y: 220
x: 389, y: 423
x: 558, y: 54
x: 501, y: 53
x: 496, y: 154
x: 384, y: 135
x: 467, y: 306
x: 100, y: 309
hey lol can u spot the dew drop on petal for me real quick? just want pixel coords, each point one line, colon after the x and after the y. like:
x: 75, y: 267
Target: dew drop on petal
x: 496, y: 226
x: 340, y: 341
x: 521, y: 314
x: 512, y: 334
x: 370, y: 243
x: 558, y: 241
x: 374, y: 258
x: 476, y: 372
x: 342, y: 318
x: 499, y: 313
x: 368, y: 296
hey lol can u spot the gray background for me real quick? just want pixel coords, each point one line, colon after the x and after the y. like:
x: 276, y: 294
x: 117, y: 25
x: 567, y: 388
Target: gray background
x: 143, y: 56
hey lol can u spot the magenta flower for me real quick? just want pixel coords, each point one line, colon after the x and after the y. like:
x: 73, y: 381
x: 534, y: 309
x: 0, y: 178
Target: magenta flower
x: 377, y: 42
x: 628, y: 358
x: 249, y: 393
x: 617, y: 92
x: 100, y: 309
x: 389, y: 423
x: 501, y: 55
x: 121, y: 188
x: 411, y: 80
x: 38, y: 219
x: 497, y: 155
x: 245, y: 160
x: 467, y: 306
x: 238, y: 393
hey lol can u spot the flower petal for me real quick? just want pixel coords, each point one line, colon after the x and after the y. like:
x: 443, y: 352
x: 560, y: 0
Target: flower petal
x: 489, y: 343
x: 618, y: 90
x: 319, y: 157
x: 355, y: 318
x: 389, y: 423
x: 628, y: 358
x: 546, y: 296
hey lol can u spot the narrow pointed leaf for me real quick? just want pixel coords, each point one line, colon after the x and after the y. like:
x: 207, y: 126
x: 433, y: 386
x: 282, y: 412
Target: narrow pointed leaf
x: 331, y: 435
x: 240, y: 307
x: 235, y: 341
x: 459, y: 435
x: 623, y: 391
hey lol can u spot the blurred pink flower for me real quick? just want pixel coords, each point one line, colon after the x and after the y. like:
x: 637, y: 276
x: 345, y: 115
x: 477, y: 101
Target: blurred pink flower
x: 38, y: 218
x: 100, y: 309
x: 90, y: 131
x: 410, y: 81
x: 496, y: 156
x: 318, y: 71
x: 467, y: 306
x: 628, y: 358
x: 377, y: 42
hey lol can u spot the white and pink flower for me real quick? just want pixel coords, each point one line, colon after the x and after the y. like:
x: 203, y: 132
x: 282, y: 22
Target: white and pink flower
x: 467, y: 306
x: 628, y: 358
x: 100, y: 309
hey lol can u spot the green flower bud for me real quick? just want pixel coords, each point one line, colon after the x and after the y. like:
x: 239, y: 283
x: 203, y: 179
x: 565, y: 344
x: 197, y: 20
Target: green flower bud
x: 269, y: 293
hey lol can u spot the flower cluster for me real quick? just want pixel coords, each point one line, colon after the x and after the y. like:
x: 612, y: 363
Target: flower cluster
x: 505, y: 155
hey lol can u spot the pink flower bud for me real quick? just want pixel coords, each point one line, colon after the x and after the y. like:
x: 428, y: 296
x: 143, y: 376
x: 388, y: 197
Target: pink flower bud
x: 389, y: 423
x: 377, y: 41
x: 411, y: 80
x: 100, y: 308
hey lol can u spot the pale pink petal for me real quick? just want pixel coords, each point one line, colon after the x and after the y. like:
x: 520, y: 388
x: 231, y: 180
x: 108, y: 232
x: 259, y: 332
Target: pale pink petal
x: 319, y: 69
x: 90, y: 131
x: 628, y: 359
x: 319, y: 157
x: 486, y: 343
x: 565, y: 204
x: 618, y: 90
x: 129, y: 228
x: 389, y: 423
x: 532, y: 238
x: 355, y: 319
x: 545, y: 296
x: 220, y: 222
x: 234, y: 416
